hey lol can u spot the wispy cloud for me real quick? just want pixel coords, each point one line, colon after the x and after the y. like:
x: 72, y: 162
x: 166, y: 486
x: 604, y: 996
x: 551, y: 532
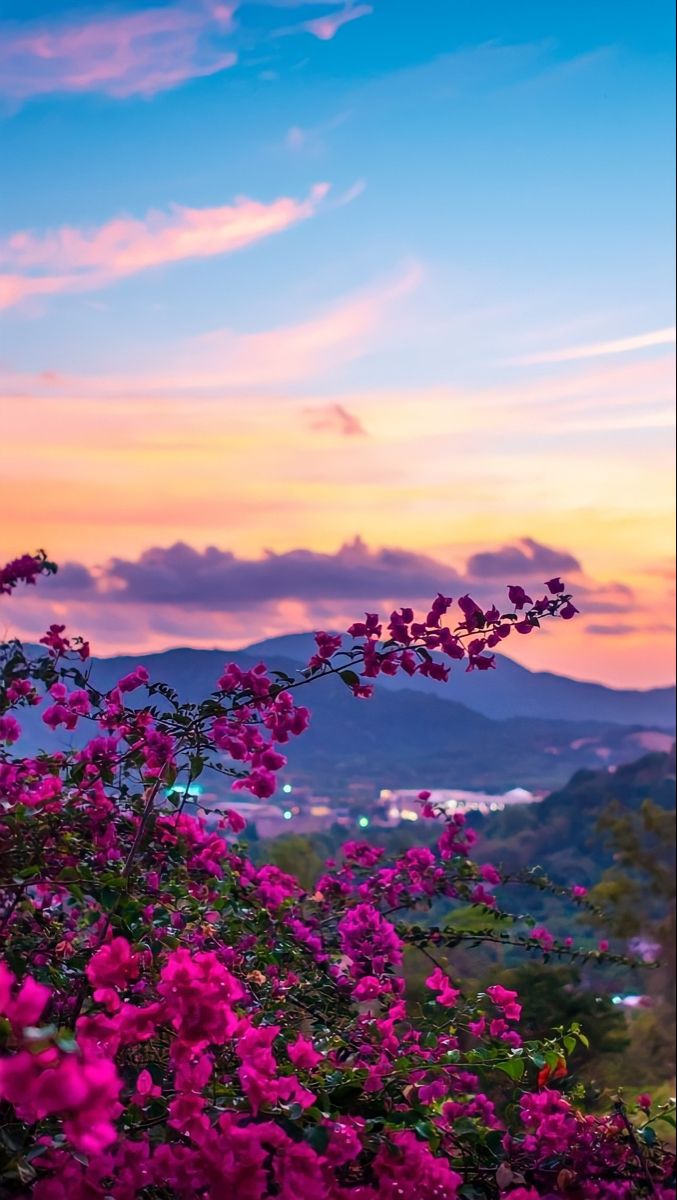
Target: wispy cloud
x: 326, y: 28
x: 641, y: 341
x: 335, y: 418
x: 226, y: 360
x: 313, y: 138
x: 140, y: 53
x: 125, y: 54
x: 75, y: 260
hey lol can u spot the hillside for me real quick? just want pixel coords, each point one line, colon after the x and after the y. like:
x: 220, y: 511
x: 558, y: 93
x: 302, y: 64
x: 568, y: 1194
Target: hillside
x: 406, y: 737
x: 514, y: 691
x: 560, y: 834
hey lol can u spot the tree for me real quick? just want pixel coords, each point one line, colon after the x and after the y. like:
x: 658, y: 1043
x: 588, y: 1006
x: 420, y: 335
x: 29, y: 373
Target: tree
x: 295, y: 856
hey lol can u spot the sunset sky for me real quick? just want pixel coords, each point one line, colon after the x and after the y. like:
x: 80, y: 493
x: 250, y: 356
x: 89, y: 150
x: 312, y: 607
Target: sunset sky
x: 311, y: 307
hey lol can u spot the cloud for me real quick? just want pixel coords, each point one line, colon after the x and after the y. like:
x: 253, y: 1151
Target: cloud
x: 227, y: 360
x: 219, y: 580
x: 296, y: 138
x: 326, y: 28
x: 526, y: 560
x: 72, y: 579
x: 313, y: 138
x: 612, y: 630
x: 334, y: 418
x: 642, y: 341
x: 73, y: 260
x: 125, y: 54
x: 178, y: 595
x: 138, y: 53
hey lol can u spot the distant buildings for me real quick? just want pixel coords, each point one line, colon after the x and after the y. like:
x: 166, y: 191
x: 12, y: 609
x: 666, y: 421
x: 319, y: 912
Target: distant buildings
x: 298, y: 809
x: 404, y: 804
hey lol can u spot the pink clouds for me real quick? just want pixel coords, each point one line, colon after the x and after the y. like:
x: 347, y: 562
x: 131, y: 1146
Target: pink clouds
x: 626, y: 345
x: 225, y: 359
x: 137, y: 53
x: 221, y: 580
x: 335, y: 418
x: 72, y: 260
x: 127, y: 54
x: 325, y: 28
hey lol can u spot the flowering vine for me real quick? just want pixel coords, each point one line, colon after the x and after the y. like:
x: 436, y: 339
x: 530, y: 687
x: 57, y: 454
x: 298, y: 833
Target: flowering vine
x: 178, y: 1022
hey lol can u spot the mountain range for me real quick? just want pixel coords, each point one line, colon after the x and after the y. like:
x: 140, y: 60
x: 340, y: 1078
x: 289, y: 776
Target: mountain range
x: 495, y: 730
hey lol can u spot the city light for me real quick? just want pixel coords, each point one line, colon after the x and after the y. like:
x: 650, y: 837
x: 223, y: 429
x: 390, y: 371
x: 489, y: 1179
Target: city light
x: 287, y: 814
x: 363, y: 822
x: 192, y: 789
x: 287, y: 788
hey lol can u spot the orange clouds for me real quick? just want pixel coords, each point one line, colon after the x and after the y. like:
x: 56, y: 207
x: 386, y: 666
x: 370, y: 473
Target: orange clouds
x: 74, y: 260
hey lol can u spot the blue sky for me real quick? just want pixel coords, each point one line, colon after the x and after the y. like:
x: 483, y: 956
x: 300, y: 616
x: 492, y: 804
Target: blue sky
x: 500, y: 195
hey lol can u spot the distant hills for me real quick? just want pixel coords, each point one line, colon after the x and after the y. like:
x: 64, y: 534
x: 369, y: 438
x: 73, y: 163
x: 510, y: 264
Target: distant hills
x: 514, y: 691
x: 561, y: 834
x: 512, y: 728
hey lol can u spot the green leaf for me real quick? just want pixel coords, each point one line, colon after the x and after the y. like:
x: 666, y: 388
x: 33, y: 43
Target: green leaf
x: 350, y: 678
x: 317, y: 1137
x: 197, y: 764
x: 513, y: 1068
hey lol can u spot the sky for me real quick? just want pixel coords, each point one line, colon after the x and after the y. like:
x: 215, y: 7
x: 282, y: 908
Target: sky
x: 308, y: 308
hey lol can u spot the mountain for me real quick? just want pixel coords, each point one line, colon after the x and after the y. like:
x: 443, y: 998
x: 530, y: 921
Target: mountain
x: 514, y: 691
x: 403, y: 737
x: 509, y: 691
x: 561, y: 833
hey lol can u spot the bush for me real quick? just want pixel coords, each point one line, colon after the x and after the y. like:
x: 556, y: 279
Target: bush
x: 178, y: 1022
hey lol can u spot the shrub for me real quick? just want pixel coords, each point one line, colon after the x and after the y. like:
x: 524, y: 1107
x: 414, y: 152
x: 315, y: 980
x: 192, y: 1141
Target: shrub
x: 177, y: 1022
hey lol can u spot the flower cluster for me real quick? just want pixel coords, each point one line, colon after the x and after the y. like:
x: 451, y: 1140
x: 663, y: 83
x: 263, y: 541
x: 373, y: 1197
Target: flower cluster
x: 177, y: 1021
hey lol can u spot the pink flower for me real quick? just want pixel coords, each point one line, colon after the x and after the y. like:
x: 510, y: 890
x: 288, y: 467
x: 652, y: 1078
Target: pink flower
x: 544, y: 936
x: 136, y: 679
x: 146, y: 1090
x: 369, y: 988
x: 113, y: 965
x: 236, y: 822
x: 83, y: 1092
x: 303, y: 1054
x: 23, y: 1006
x: 10, y: 729
x: 518, y: 597
x: 439, y: 982
x: 555, y: 586
x: 567, y: 611
x: 490, y: 874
